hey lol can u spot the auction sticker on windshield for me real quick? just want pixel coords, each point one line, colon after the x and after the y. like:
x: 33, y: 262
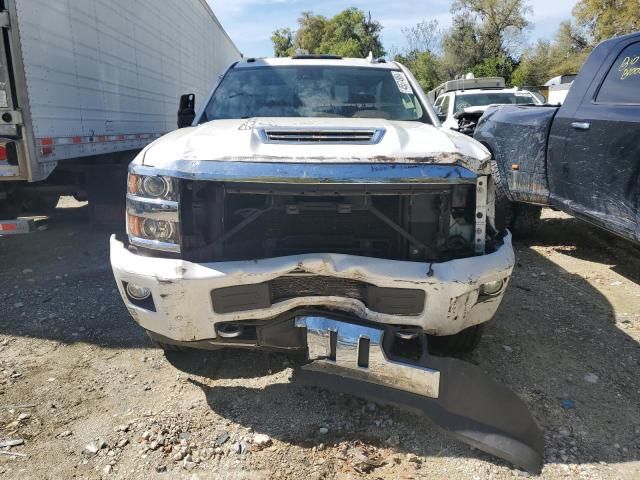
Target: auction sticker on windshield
x: 402, y: 82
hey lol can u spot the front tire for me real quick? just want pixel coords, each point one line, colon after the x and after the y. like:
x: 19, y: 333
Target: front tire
x: 521, y: 219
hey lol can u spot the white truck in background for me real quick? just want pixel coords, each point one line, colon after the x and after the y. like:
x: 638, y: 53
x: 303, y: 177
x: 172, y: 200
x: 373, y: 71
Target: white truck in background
x: 460, y: 103
x: 84, y: 85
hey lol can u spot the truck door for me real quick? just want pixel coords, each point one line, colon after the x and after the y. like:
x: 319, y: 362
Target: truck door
x: 598, y: 174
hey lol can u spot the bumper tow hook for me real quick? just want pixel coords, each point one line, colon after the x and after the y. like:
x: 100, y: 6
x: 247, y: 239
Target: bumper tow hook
x: 456, y: 396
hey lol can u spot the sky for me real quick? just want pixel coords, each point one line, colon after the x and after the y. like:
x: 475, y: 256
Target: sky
x: 251, y: 22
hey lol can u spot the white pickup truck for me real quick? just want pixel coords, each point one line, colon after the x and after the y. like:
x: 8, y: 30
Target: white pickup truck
x: 470, y: 97
x: 315, y: 204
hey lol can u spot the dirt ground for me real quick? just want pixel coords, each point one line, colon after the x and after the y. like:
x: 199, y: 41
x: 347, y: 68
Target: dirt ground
x: 83, y: 388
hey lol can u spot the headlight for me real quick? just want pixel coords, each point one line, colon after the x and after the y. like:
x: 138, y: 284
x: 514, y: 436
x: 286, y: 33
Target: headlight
x: 155, y: 187
x: 159, y: 230
x: 152, y: 186
x: 148, y: 229
x: 153, y: 219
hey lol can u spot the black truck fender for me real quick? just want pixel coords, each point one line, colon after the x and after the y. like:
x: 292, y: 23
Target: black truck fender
x: 517, y: 138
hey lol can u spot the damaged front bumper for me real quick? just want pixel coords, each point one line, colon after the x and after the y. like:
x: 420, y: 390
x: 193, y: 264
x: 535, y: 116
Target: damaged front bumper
x: 350, y: 347
x: 458, y: 397
x: 181, y: 305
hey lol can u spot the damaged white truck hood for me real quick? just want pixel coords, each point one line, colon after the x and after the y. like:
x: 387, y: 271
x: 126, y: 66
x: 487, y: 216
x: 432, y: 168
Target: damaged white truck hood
x: 241, y: 140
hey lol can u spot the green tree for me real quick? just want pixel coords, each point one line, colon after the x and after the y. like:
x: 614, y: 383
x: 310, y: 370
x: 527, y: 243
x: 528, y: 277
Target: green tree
x: 499, y: 23
x: 496, y: 67
x: 564, y: 55
x: 462, y: 47
x: 424, y: 66
x: 351, y: 33
x: 282, y: 40
x: 535, y: 66
x: 310, y: 32
x: 423, y: 37
x: 569, y: 50
x: 420, y: 54
x: 604, y: 19
x: 483, y: 30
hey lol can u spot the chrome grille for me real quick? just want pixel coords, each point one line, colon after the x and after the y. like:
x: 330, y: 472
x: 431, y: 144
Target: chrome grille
x: 361, y: 136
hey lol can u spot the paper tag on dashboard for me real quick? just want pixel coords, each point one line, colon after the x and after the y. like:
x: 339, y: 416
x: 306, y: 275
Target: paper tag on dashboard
x: 402, y: 82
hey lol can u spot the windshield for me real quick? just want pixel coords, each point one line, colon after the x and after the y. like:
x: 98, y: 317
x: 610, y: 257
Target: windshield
x: 490, y: 98
x: 315, y: 91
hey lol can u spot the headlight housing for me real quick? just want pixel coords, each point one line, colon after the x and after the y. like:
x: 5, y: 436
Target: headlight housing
x: 152, y: 212
x: 152, y: 186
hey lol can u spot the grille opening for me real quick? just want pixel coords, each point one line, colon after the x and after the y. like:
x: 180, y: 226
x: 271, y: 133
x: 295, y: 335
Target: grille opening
x: 224, y: 221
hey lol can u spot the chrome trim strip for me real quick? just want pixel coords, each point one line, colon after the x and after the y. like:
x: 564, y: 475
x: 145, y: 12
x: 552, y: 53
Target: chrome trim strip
x: 154, y: 244
x: 314, y: 135
x: 241, y: 171
x: 380, y: 370
x: 155, y: 209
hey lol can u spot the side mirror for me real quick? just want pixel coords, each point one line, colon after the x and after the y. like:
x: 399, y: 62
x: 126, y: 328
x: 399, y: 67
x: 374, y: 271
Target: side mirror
x: 442, y: 116
x: 186, y: 112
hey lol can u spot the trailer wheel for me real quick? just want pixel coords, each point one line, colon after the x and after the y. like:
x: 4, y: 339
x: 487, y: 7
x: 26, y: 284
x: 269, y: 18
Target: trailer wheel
x: 462, y: 342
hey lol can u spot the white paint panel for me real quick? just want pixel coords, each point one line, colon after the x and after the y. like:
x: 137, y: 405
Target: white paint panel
x: 116, y: 67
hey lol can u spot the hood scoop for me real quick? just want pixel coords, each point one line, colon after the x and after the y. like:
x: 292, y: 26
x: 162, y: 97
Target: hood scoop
x: 312, y: 136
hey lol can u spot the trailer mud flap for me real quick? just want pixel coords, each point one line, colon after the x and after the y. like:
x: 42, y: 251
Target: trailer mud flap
x: 456, y: 396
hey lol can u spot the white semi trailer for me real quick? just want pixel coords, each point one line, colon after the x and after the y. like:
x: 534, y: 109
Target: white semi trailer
x: 86, y: 84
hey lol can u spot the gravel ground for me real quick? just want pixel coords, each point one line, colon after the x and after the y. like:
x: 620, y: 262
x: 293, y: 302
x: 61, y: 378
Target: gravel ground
x: 83, y: 388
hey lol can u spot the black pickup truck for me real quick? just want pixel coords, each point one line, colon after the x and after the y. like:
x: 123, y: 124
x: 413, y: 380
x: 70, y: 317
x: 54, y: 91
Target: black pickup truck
x: 583, y: 157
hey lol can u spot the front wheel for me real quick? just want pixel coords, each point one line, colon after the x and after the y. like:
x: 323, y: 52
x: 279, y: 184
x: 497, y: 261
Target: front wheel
x: 525, y: 220
x: 521, y: 219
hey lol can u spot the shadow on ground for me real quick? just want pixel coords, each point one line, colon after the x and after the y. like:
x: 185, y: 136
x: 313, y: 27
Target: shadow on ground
x: 583, y: 241
x: 57, y: 284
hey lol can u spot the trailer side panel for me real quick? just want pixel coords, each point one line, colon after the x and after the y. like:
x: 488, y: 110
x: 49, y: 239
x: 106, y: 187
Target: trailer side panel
x: 106, y: 76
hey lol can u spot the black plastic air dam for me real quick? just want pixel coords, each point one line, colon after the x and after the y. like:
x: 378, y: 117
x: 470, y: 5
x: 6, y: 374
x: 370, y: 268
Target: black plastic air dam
x: 471, y: 407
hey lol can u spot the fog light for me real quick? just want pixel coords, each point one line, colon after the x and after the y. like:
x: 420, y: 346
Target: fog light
x: 492, y: 288
x: 138, y: 293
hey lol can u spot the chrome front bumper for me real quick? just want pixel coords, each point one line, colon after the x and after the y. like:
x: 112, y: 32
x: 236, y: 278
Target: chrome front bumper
x: 356, y: 352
